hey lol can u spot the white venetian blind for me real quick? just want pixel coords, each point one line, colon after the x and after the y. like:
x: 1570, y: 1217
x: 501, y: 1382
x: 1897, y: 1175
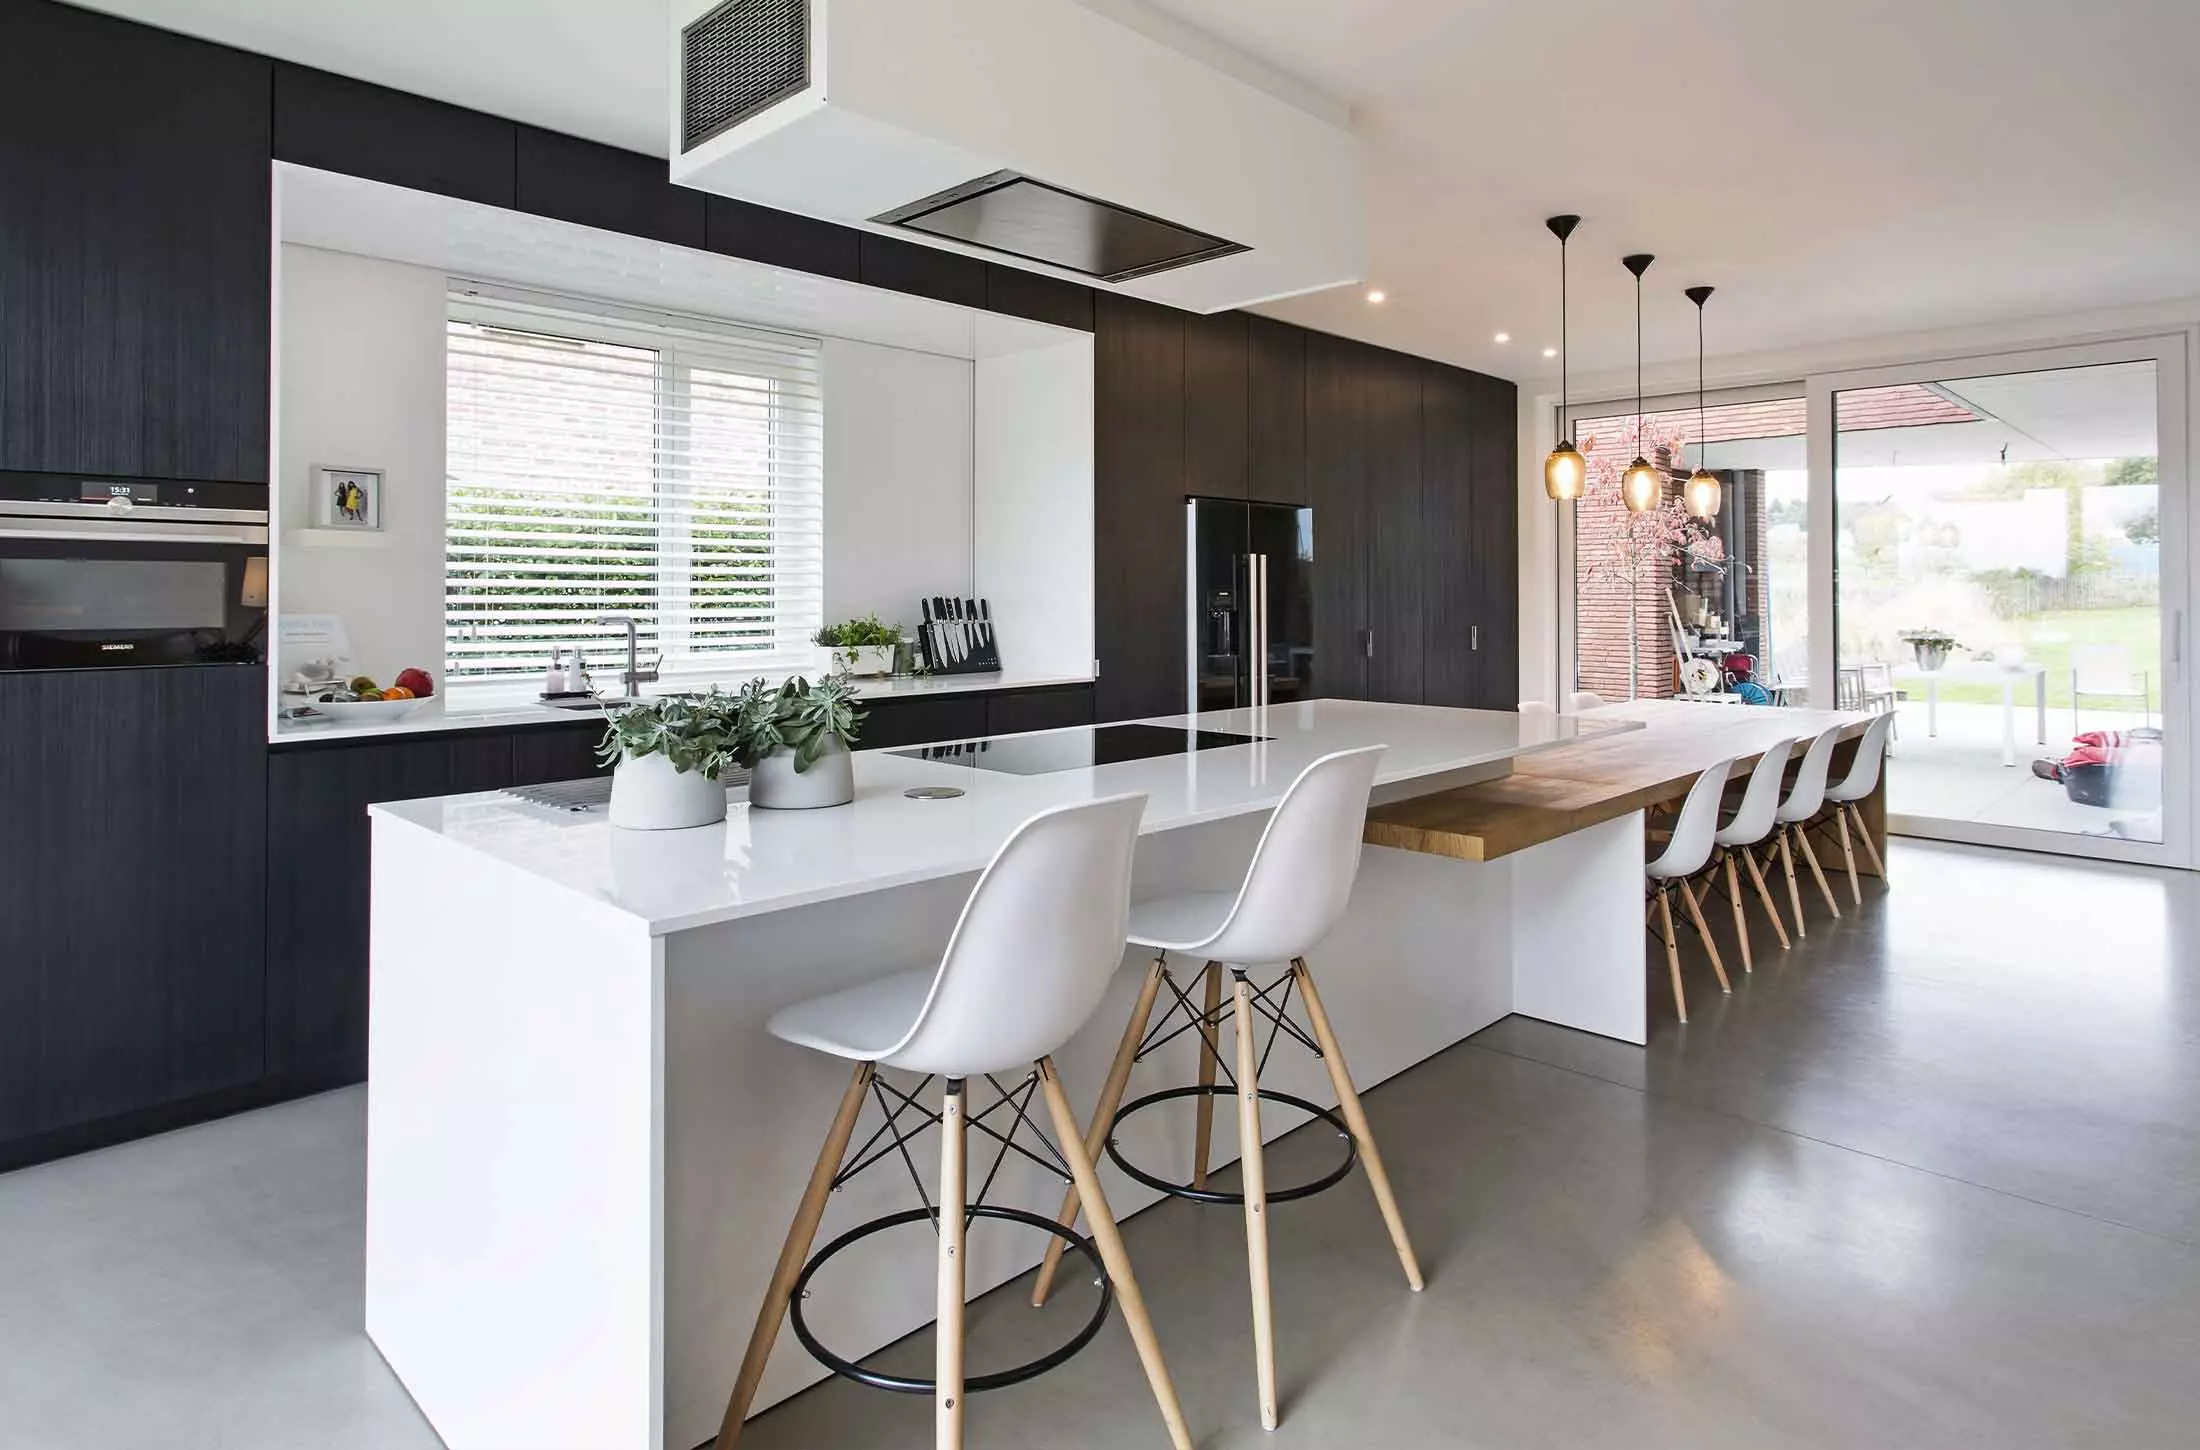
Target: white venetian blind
x: 607, y: 462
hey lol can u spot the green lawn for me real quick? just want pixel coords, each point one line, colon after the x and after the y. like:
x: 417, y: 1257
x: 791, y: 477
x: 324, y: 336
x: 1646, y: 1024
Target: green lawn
x: 2049, y: 639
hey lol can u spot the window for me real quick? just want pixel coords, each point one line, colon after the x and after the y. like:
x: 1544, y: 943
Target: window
x: 607, y: 463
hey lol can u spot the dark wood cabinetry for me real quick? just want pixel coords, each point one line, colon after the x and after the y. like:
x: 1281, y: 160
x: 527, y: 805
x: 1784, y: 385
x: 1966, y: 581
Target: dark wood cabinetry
x: 134, y: 266
x: 1138, y: 410
x: 131, y: 881
x: 890, y: 724
x: 780, y: 238
x: 1336, y: 476
x: 552, y: 753
x: 1275, y: 411
x: 1391, y: 440
x: 923, y: 271
x: 1051, y: 709
x: 1041, y: 298
x: 572, y: 180
x: 1214, y: 406
x: 335, y: 123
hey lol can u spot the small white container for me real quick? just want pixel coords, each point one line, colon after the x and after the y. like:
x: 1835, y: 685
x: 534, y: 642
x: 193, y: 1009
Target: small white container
x: 649, y: 794
x: 775, y: 785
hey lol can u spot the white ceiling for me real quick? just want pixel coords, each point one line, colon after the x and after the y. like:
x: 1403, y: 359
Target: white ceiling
x: 1837, y: 170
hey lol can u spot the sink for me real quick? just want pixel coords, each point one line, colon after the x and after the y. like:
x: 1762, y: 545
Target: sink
x: 581, y: 705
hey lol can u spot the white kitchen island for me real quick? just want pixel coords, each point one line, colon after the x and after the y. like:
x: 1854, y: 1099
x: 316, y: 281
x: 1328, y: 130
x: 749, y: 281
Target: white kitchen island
x: 584, y: 1148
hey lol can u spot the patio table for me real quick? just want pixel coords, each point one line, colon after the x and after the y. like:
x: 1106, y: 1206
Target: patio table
x: 1985, y: 672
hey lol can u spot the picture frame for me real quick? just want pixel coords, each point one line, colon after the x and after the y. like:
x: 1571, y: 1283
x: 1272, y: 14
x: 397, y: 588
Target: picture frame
x: 348, y: 500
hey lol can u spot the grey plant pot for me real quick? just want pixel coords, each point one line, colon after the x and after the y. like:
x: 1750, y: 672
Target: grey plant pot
x: 1930, y: 657
x: 775, y: 785
x: 648, y: 794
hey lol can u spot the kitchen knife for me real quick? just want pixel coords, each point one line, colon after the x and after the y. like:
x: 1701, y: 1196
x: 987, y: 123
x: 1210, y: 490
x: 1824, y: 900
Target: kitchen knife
x: 962, y: 632
x: 924, y: 630
x: 985, y: 632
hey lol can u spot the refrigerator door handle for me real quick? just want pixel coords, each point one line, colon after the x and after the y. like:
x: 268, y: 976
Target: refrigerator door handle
x: 1260, y: 655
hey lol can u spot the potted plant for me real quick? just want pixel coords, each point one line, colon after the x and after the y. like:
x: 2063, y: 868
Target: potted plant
x: 862, y: 646
x: 669, y: 753
x: 1931, y: 647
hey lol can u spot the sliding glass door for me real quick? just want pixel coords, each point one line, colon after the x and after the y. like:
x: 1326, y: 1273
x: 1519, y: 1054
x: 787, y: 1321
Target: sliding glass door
x: 2007, y: 570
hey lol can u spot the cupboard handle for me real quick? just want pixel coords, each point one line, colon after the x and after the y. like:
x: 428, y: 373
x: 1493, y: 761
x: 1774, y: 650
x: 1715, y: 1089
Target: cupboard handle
x: 1474, y: 636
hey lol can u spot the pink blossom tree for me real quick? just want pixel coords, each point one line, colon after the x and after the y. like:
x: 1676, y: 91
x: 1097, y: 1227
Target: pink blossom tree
x: 1641, y: 549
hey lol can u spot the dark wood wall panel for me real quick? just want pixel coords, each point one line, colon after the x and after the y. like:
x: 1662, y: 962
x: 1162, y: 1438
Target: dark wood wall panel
x: 335, y: 123
x: 921, y: 271
x: 1394, y: 537
x: 1041, y: 298
x: 1450, y: 591
x: 1337, y: 373
x: 1214, y: 405
x: 580, y: 181
x: 1275, y: 412
x: 1138, y: 485
x: 1494, y: 488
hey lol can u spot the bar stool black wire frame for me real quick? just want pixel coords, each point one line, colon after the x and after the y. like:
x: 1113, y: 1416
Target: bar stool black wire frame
x: 873, y: 1151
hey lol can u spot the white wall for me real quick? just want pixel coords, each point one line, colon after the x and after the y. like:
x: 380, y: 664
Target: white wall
x: 1034, y: 495
x: 360, y: 384
x: 899, y: 480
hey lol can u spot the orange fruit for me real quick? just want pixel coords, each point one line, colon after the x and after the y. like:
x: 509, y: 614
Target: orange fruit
x: 397, y: 692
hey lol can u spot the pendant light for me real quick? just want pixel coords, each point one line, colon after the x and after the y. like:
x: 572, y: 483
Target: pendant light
x: 1641, y: 487
x: 1702, y: 490
x: 1565, y: 473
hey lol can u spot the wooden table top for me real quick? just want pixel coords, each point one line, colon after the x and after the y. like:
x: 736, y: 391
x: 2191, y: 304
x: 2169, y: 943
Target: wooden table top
x: 1556, y: 792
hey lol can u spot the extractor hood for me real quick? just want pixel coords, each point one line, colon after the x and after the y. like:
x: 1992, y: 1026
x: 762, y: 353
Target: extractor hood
x: 1041, y: 134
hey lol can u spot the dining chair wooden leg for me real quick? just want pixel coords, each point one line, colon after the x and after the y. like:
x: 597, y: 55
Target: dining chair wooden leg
x: 1848, y: 853
x: 1355, y: 1118
x: 1672, y: 953
x: 1764, y: 894
x: 1103, y: 1118
x: 1113, y: 1256
x: 1209, y: 1059
x: 954, y: 1225
x: 1703, y: 931
x: 1253, y: 1171
x: 1871, y: 847
x: 1741, y: 923
x: 792, y: 1255
x: 1802, y: 838
x: 1787, y: 864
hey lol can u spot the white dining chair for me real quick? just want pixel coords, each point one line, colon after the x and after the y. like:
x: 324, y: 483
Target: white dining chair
x: 1805, y: 798
x: 2104, y: 671
x: 1039, y: 939
x: 1860, y: 782
x: 1536, y: 710
x: 1687, y: 852
x: 1582, y: 701
x: 1294, y: 893
x: 1746, y: 834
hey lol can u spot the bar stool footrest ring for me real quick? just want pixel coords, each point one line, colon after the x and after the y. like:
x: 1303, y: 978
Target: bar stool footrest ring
x: 1322, y: 1184
x: 973, y: 1384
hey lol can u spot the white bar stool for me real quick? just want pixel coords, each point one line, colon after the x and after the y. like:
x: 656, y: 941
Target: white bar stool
x: 1746, y: 833
x: 1684, y: 855
x: 1038, y: 941
x: 1294, y: 893
x: 1861, y: 781
x: 1805, y: 799
x: 1583, y: 701
x: 1536, y: 710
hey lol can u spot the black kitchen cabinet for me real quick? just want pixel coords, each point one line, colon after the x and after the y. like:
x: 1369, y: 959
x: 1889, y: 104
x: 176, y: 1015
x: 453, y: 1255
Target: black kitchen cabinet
x: 1337, y: 376
x: 318, y: 874
x: 1138, y: 409
x: 925, y: 720
x: 1214, y: 405
x: 1494, y: 541
x: 548, y: 753
x: 1275, y: 412
x: 901, y: 266
x: 781, y: 238
x: 1049, y: 709
x: 134, y: 257
x: 572, y: 180
x: 1468, y: 553
x: 335, y: 123
x: 1392, y: 443
x: 131, y: 897
x: 1041, y: 298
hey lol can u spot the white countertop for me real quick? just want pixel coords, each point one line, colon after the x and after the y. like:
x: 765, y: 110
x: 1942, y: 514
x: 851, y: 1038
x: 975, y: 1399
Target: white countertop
x: 478, y: 709
x: 761, y: 861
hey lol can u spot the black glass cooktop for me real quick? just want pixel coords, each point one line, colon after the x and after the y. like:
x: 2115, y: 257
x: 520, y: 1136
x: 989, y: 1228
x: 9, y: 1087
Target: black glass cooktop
x: 1077, y: 748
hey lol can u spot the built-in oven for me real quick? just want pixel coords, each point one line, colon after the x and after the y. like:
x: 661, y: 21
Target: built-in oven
x: 100, y: 573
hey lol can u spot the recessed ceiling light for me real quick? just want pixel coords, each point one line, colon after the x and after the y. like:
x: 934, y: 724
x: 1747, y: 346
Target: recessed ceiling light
x: 1550, y: 352
x: 1376, y: 294
x: 1503, y: 337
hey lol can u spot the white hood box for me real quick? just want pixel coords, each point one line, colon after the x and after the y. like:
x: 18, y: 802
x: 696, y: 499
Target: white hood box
x: 1035, y: 133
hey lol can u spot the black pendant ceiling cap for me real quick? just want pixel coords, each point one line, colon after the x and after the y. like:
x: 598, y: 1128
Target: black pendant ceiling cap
x: 1562, y: 227
x: 1638, y: 262
x: 1699, y: 294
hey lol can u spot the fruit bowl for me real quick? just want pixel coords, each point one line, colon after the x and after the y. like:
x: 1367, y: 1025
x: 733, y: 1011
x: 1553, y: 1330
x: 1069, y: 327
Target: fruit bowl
x: 363, y: 712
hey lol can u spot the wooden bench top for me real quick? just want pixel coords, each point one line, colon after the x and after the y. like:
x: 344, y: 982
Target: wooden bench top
x: 1556, y: 792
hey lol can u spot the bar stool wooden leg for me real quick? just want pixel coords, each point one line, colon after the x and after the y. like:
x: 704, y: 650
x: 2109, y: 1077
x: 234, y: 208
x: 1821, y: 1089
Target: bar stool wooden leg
x: 1672, y: 953
x: 1848, y: 853
x: 792, y: 1255
x: 1112, y: 1254
x: 1355, y: 1118
x: 1741, y: 923
x: 1254, y: 1173
x: 1204, y: 1134
x: 1711, y: 948
x: 947, y: 1396
x: 1096, y: 1137
x: 1787, y: 864
x: 1764, y: 894
x: 1802, y: 838
x: 1871, y: 847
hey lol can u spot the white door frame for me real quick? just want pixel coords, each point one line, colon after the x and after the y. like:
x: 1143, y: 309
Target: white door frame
x: 2180, y: 545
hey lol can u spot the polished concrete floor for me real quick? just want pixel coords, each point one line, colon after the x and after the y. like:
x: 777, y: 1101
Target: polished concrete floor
x: 1932, y: 1179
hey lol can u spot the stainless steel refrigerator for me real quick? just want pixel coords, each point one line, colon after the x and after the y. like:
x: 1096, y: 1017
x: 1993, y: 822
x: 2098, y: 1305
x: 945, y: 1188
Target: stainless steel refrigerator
x: 1249, y: 591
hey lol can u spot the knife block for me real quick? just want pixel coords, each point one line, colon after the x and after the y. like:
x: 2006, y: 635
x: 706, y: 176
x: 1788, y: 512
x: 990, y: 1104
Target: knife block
x: 964, y: 646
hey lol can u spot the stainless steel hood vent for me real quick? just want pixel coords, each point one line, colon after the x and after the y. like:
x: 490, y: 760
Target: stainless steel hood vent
x: 1014, y: 214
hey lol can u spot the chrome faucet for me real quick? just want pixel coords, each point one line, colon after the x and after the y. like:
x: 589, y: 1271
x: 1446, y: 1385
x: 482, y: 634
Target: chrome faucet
x: 635, y: 676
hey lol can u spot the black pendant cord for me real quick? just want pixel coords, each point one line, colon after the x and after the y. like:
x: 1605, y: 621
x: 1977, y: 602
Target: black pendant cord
x: 1638, y: 365
x: 1703, y: 438
x: 1563, y: 426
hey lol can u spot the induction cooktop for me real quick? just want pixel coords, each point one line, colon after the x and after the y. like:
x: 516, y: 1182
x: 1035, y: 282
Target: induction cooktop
x: 1077, y: 748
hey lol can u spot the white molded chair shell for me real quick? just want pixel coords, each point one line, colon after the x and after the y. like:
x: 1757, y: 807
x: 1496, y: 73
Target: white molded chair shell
x: 1037, y: 944
x: 1808, y: 794
x: 1760, y: 798
x: 1536, y: 710
x: 1863, y: 776
x: 1300, y: 881
x: 1581, y: 700
x: 1690, y: 847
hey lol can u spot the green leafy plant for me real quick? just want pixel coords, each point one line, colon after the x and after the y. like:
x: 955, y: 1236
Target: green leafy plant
x: 713, y: 732
x: 869, y: 631
x: 1932, y: 638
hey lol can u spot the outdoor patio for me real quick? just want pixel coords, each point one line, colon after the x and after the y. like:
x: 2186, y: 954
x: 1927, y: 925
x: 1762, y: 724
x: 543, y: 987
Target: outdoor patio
x: 1958, y: 775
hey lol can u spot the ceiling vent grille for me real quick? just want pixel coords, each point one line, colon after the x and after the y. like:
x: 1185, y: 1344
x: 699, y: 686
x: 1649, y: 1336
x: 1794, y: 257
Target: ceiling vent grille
x: 739, y: 59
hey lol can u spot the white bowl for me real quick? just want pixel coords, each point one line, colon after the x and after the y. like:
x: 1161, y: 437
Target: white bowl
x: 366, y: 712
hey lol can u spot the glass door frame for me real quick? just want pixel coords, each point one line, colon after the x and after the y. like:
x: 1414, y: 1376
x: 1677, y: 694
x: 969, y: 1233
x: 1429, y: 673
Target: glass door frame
x: 2168, y: 351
